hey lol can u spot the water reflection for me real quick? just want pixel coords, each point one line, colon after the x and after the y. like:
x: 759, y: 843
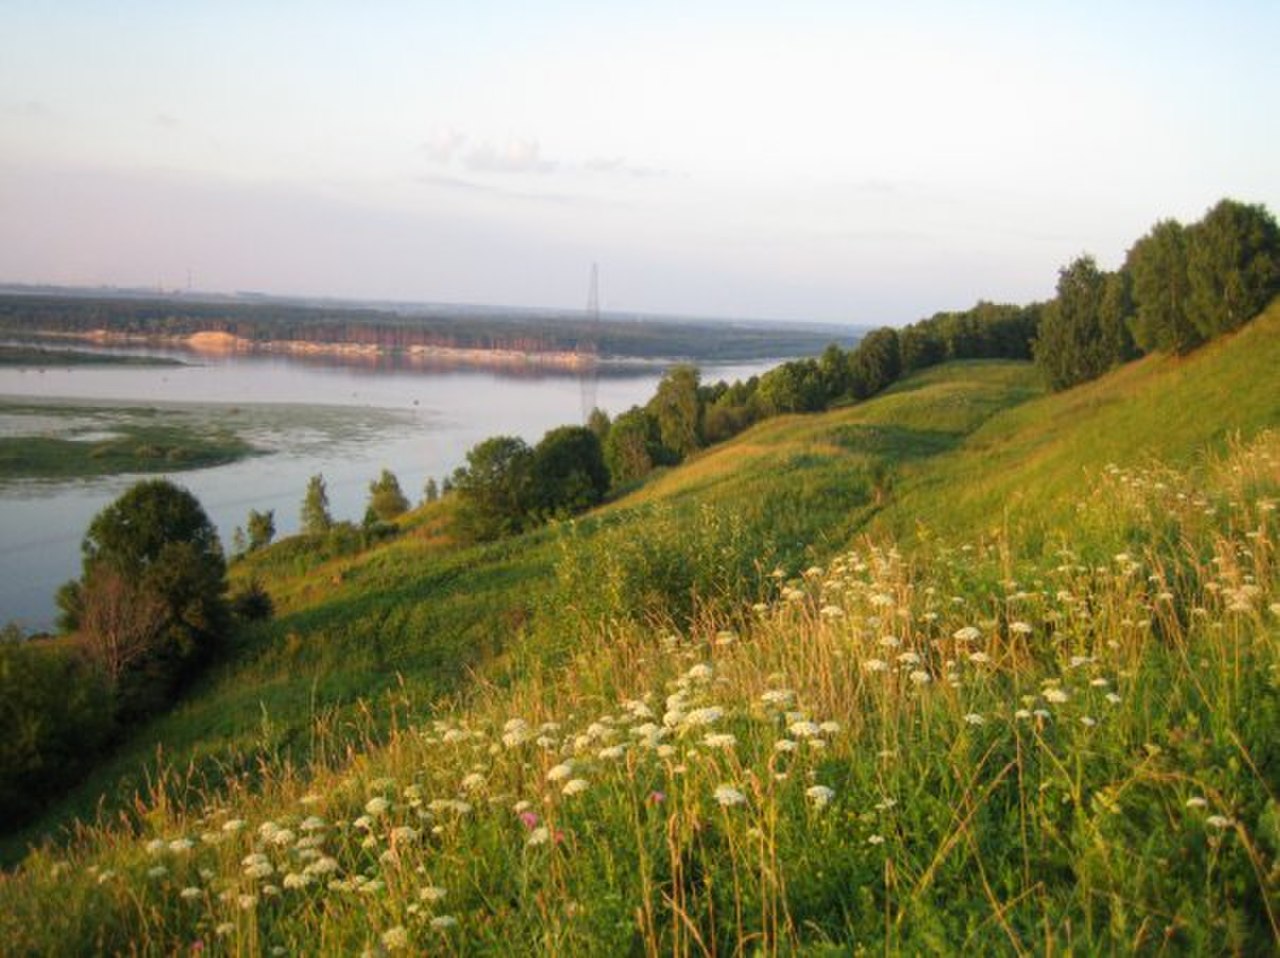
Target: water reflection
x: 345, y: 419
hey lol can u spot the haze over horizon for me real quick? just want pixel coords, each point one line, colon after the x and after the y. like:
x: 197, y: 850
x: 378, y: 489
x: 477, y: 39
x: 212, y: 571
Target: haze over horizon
x: 827, y: 162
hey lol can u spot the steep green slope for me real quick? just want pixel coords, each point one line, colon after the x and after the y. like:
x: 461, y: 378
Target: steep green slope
x: 1026, y: 467
x: 423, y: 618
x: 965, y: 449
x: 1049, y: 727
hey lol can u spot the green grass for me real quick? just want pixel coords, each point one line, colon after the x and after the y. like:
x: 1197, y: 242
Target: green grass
x: 1025, y: 467
x: 425, y: 616
x: 136, y: 449
x: 58, y: 440
x: 1099, y: 777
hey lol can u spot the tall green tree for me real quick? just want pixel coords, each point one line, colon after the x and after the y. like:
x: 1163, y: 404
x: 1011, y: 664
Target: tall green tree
x: 598, y: 422
x: 261, y: 527
x: 57, y: 713
x: 1162, y: 291
x: 875, y: 363
x: 493, y: 488
x: 316, y: 520
x: 633, y: 446
x: 567, y: 472
x: 796, y: 386
x: 1233, y: 265
x: 833, y: 366
x: 678, y: 413
x: 386, y: 500
x: 1078, y: 339
x: 921, y: 346
x: 153, y: 588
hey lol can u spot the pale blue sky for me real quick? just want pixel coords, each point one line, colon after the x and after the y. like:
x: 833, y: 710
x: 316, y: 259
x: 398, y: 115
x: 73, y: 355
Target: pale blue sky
x: 849, y: 162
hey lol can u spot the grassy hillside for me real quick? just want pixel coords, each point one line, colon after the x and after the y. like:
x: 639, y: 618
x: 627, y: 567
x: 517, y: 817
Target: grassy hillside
x: 422, y: 617
x: 1035, y: 711
x: 1028, y: 465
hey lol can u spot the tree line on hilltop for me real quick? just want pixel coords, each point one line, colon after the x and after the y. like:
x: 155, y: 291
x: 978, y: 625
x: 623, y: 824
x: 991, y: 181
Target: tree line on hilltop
x: 1178, y: 287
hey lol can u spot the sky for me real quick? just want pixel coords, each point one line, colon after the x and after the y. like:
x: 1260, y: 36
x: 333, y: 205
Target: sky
x: 862, y: 163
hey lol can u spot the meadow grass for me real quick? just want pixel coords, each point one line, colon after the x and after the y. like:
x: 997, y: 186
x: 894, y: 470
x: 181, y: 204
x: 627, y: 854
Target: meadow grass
x: 1024, y: 467
x: 698, y: 722
x: 428, y: 614
x: 961, y: 750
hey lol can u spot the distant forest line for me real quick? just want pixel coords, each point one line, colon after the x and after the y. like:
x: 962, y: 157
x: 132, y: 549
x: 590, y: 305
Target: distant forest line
x: 529, y: 331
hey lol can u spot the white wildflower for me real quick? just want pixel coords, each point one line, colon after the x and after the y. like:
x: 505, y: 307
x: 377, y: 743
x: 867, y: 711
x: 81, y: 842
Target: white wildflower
x: 778, y: 698
x: 804, y: 729
x: 575, y: 786
x: 820, y: 795
x: 700, y: 673
x: 727, y: 795
x: 704, y: 716
x: 559, y: 772
x: 393, y: 939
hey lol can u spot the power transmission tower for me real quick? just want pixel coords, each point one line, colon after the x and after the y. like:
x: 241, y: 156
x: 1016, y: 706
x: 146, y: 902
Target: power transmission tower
x: 589, y: 348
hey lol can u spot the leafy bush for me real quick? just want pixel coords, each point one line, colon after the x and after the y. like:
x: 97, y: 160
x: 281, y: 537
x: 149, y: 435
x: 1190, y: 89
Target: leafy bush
x: 57, y: 715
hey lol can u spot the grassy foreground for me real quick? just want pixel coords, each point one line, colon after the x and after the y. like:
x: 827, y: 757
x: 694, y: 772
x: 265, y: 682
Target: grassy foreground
x: 956, y: 752
x: 1001, y: 722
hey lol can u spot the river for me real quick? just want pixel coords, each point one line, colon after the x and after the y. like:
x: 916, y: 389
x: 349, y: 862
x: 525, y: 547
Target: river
x: 344, y: 421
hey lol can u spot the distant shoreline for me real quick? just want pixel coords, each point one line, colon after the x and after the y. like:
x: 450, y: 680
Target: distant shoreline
x: 213, y: 343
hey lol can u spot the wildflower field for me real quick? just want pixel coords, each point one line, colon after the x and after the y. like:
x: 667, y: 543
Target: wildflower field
x: 956, y: 751
x: 772, y: 724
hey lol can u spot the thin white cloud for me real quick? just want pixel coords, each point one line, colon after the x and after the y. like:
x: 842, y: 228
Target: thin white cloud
x: 514, y: 156
x: 619, y: 166
x: 604, y: 164
x: 444, y: 144
x: 457, y: 184
x: 166, y: 121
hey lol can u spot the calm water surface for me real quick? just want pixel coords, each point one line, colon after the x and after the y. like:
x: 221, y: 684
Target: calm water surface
x: 344, y: 421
